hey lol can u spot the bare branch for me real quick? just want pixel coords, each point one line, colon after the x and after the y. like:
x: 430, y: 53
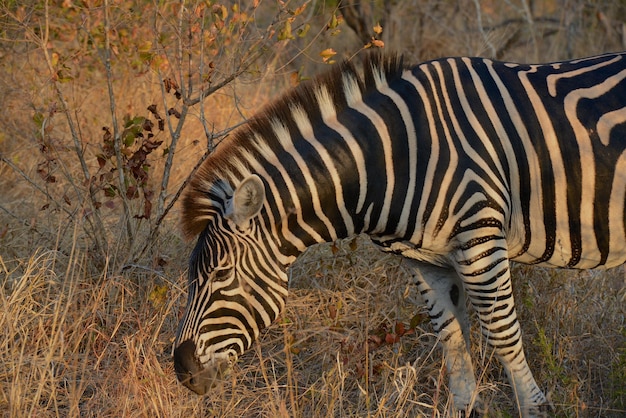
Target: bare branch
x: 99, y: 232
x: 116, y: 133
x: 34, y: 184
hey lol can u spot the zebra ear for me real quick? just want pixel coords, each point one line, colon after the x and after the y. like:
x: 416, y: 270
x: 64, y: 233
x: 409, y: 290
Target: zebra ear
x: 246, y: 201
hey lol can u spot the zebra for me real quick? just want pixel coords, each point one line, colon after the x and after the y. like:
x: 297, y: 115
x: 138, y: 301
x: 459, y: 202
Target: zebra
x: 458, y: 165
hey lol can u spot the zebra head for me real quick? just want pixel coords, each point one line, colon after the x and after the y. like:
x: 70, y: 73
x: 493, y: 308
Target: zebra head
x: 235, y: 287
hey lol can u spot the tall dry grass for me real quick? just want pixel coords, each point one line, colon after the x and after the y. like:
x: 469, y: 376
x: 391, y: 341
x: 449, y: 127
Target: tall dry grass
x: 85, y: 335
x: 79, y: 343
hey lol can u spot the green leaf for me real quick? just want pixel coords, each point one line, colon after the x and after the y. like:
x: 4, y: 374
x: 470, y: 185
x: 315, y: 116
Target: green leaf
x: 304, y: 30
x: 129, y: 139
x: 38, y: 118
x: 286, y: 32
x: 158, y: 295
x: 109, y: 191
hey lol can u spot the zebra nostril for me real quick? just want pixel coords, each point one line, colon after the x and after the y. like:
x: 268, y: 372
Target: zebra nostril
x: 189, y: 370
x: 183, y: 358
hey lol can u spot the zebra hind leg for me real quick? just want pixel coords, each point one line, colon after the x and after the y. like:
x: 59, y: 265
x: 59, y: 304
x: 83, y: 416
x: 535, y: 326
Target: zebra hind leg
x: 445, y: 301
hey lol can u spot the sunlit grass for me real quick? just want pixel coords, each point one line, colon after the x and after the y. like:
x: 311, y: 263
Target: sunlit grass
x: 82, y: 334
x: 79, y: 343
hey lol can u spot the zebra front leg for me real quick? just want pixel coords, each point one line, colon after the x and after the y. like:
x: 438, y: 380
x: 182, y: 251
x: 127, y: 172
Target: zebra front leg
x: 484, y: 268
x: 445, y: 300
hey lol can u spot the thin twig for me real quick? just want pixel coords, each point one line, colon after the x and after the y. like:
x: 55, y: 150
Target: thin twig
x: 203, y: 122
x: 173, y: 200
x: 174, y: 132
x: 32, y: 183
x: 116, y: 134
x: 479, y: 23
x: 99, y: 232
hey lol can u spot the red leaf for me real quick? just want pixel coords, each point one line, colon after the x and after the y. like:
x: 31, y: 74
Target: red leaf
x: 332, y: 312
x: 400, y: 330
x: 101, y: 160
x: 147, y: 125
x: 391, y: 338
x: 174, y: 112
x: 107, y: 136
x: 149, y: 146
x: 147, y: 209
x: 131, y: 192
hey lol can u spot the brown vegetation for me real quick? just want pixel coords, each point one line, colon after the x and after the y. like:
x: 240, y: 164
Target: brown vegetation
x: 107, y: 108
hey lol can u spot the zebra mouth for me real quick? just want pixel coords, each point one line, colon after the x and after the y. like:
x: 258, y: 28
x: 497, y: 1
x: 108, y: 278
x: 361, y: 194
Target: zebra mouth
x: 193, y: 374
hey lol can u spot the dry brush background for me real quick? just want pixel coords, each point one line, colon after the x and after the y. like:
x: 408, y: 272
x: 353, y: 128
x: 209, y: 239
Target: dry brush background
x: 107, y: 106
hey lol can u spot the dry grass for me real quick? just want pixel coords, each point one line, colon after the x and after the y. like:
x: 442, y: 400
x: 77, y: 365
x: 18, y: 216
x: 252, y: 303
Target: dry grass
x: 81, y: 338
x: 84, y: 344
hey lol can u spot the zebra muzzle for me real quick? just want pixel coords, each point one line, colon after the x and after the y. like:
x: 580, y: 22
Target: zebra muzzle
x: 192, y: 373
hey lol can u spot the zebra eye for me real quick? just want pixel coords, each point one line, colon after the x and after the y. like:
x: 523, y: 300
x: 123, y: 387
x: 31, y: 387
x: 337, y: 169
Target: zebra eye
x: 222, y: 274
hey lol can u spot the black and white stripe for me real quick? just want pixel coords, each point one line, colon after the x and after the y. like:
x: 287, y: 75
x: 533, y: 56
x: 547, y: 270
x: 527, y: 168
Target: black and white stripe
x: 460, y: 165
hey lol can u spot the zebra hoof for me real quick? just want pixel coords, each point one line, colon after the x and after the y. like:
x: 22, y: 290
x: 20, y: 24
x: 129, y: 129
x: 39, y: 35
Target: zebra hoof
x: 477, y: 411
x: 474, y: 413
x: 541, y: 411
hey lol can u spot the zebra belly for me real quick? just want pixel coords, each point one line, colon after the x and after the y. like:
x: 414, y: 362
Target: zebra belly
x: 583, y: 263
x: 592, y: 235
x: 566, y: 255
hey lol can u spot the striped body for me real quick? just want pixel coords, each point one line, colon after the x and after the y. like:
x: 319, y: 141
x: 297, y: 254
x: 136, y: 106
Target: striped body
x: 459, y: 165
